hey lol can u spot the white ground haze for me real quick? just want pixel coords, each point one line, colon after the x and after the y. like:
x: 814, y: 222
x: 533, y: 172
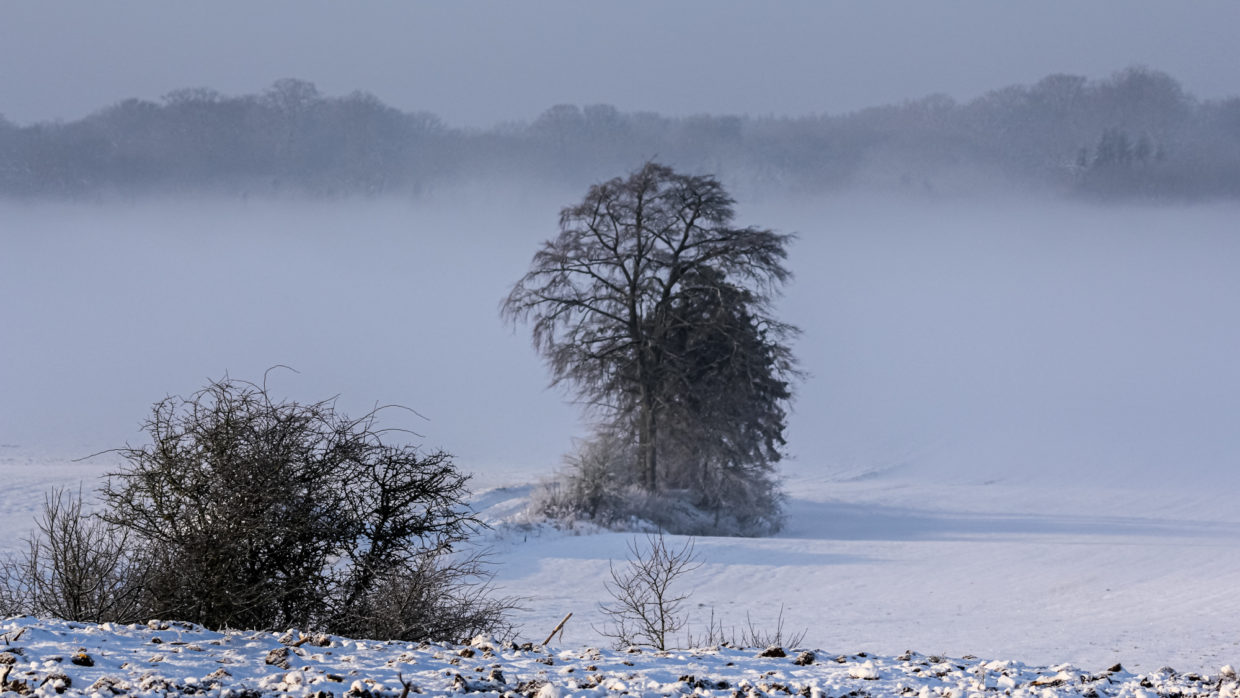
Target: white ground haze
x: 1018, y: 438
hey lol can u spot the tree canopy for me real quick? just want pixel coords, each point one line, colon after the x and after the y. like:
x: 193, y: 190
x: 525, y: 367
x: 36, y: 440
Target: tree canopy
x: 655, y: 310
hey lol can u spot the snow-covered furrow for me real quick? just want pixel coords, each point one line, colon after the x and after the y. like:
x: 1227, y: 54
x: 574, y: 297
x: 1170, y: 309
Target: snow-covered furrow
x: 50, y: 657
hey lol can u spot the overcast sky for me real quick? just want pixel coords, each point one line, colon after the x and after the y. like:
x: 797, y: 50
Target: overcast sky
x: 480, y: 63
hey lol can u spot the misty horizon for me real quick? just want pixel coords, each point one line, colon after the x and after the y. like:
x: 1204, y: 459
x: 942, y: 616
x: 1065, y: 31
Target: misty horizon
x: 1136, y: 134
x: 1027, y: 340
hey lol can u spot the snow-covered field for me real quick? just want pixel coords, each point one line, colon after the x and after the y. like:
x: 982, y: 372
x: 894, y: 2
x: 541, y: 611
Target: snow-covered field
x: 1019, y: 441
x: 885, y: 564
x: 881, y: 563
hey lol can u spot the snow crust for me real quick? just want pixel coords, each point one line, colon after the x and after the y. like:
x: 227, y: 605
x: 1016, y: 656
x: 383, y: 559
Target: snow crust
x: 157, y: 659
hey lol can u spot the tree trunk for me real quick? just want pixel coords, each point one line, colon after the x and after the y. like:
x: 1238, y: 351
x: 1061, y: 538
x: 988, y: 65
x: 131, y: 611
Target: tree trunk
x: 647, y: 442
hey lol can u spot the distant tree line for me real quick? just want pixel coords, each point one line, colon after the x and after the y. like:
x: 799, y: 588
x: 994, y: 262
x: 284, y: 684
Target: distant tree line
x: 1134, y: 134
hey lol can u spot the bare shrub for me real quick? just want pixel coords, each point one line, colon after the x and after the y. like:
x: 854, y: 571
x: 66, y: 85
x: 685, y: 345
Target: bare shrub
x: 75, y: 566
x: 443, y: 596
x: 267, y: 514
x: 590, y: 487
x: 593, y: 487
x: 716, y: 633
x: 764, y: 637
x: 646, y: 612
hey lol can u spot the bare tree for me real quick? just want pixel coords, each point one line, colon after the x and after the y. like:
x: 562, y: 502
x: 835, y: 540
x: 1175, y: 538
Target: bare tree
x: 646, y: 611
x: 649, y: 286
x: 75, y: 566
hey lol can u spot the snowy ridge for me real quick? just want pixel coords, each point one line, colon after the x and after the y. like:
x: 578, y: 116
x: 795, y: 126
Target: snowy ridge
x: 51, y: 657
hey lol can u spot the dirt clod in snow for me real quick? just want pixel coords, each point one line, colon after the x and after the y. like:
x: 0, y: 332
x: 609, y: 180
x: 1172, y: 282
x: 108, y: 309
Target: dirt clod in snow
x: 278, y: 657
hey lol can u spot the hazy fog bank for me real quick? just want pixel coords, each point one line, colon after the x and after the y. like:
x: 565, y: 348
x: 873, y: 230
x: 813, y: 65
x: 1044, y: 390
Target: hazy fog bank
x: 977, y: 340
